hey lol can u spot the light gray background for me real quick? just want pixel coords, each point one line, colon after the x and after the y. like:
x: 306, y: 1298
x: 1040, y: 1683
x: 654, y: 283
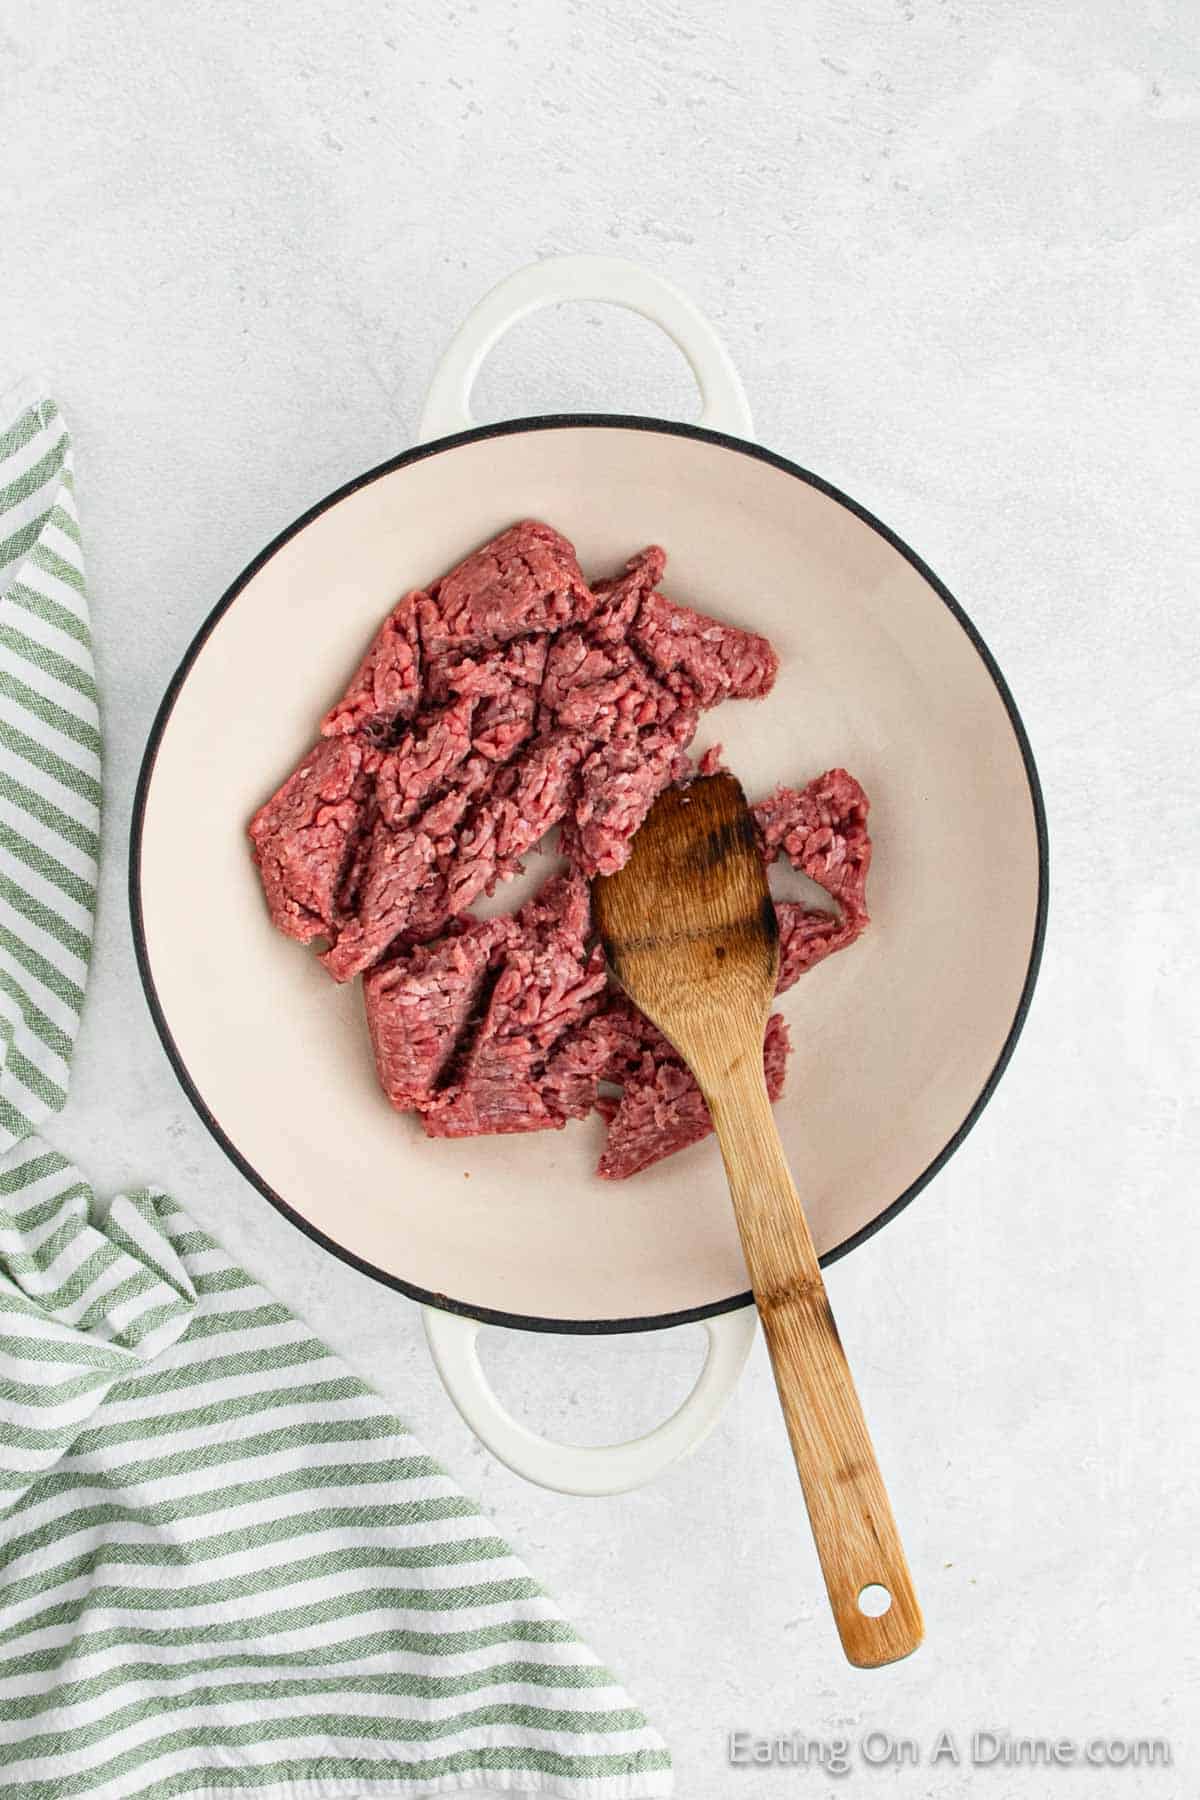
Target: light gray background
x: 952, y: 247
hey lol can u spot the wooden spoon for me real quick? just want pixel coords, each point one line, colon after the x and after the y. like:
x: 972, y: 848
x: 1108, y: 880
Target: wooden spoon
x: 690, y: 932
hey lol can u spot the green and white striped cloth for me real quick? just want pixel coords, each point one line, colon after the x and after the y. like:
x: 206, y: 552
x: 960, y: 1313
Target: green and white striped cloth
x: 49, y: 765
x: 225, y: 1567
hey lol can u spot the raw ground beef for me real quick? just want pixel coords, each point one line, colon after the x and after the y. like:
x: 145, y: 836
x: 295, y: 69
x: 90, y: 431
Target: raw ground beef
x: 526, y: 580
x: 418, y: 1006
x: 661, y: 1109
x: 822, y: 830
x: 550, y: 980
x: 508, y: 698
x: 306, y: 836
x: 387, y: 683
x: 697, y: 657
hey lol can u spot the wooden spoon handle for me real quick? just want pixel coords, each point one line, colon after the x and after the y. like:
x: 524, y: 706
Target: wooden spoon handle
x: 856, y: 1536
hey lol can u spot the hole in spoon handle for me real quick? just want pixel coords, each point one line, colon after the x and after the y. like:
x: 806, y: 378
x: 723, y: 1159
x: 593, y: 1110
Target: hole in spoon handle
x: 881, y: 1623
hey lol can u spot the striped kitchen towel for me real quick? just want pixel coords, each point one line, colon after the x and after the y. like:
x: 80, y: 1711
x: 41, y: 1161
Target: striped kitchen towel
x: 49, y: 765
x: 225, y: 1567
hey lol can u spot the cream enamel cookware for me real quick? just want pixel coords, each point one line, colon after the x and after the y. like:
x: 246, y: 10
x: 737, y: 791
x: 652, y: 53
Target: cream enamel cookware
x: 899, y: 1041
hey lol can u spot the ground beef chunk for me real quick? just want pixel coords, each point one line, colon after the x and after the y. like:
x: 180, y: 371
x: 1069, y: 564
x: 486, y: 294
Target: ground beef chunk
x: 822, y: 830
x: 402, y: 864
x: 618, y: 784
x: 605, y: 1047
x: 601, y: 1050
x: 308, y: 834
x: 507, y: 699
x: 356, y: 866
x: 387, y: 684
x: 618, y: 601
x: 423, y: 760
x: 628, y: 726
x: 504, y: 691
x: 627, y: 731
x: 525, y: 580
x: 492, y: 675
x: 419, y: 1003
x: 527, y: 798
x: 700, y: 656
x: 806, y: 937
x: 549, y: 981
x: 601, y: 690
x: 661, y: 1109
x: 509, y: 693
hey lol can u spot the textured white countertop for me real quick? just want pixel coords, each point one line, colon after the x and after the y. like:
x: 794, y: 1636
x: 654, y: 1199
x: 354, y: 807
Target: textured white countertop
x: 953, y: 249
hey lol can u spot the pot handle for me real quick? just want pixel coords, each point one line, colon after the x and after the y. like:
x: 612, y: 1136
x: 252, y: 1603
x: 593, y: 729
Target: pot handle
x: 587, y: 1469
x: 447, y: 406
